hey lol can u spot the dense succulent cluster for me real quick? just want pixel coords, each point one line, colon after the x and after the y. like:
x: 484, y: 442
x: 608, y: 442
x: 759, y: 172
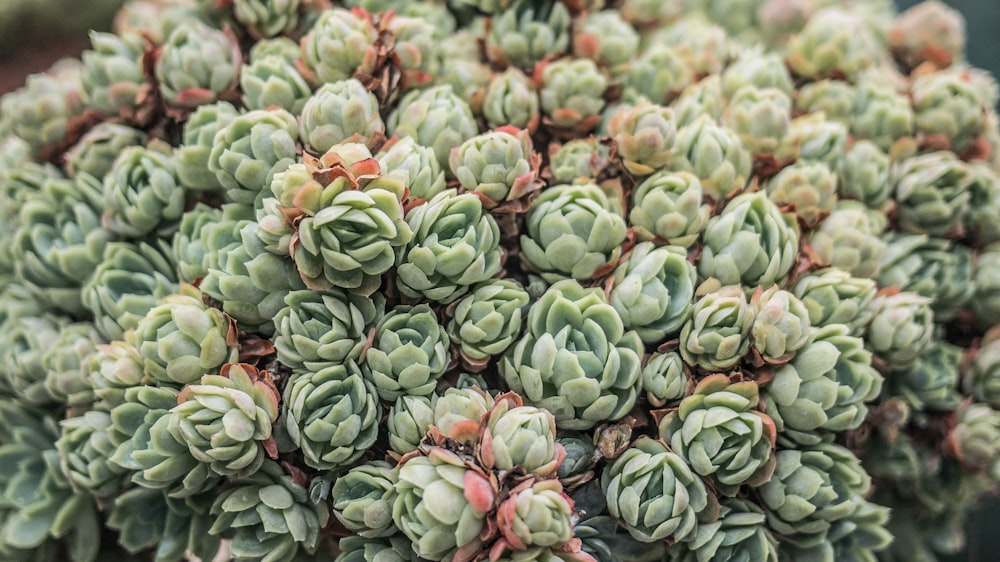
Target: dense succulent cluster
x: 506, y: 280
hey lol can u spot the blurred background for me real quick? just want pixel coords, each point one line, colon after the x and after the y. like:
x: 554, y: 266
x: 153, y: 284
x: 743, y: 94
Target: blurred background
x: 36, y: 33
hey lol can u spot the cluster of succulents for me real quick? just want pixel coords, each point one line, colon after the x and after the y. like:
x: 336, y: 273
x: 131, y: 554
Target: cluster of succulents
x: 506, y: 280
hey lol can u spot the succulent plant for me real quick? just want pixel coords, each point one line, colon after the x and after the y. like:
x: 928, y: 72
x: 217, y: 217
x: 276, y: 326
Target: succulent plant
x: 410, y: 350
x: 112, y: 73
x: 455, y: 245
x: 271, y: 513
x: 653, y: 290
x: 572, y: 231
x: 197, y: 65
x: 142, y: 194
x: 337, y: 112
x: 532, y: 281
x: 96, y: 151
x: 331, y: 414
x: 441, y: 504
x: 751, y: 242
x: 338, y: 45
x: 654, y: 493
x: 487, y: 321
x: 528, y: 32
x: 436, y: 118
x: 717, y: 432
x: 575, y: 359
x: 511, y: 99
x: 181, y: 339
x: 226, y: 420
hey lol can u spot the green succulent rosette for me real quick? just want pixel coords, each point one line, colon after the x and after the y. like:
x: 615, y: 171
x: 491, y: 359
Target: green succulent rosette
x: 96, y: 150
x: 248, y: 152
x: 760, y: 116
x: 127, y: 284
x: 182, y: 339
x: 197, y: 65
x: 607, y: 38
x: 455, y: 245
x: 226, y: 420
x: 85, y: 448
x: 933, y: 267
x: 714, y: 154
x: 751, y: 242
x: 60, y: 240
x: 810, y: 188
x: 572, y: 231
x: 653, y: 290
x: 41, y: 517
x: 669, y: 205
x: 416, y: 45
x: 434, y: 117
x: 665, y: 378
x: 111, y: 370
x: 337, y: 112
x: 946, y: 104
x: 191, y: 158
x: 338, y: 45
x: 459, y: 412
x: 250, y: 282
x: 834, y: 296
x: 142, y: 194
x: 511, y: 99
x: 66, y: 377
x: 811, y: 489
x: 644, y: 136
x: 536, y: 515
x: 339, y: 219
x: 571, y: 92
x: 932, y: 383
x: 740, y: 533
x: 901, y: 328
x: 39, y: 112
x: 881, y: 115
x: 332, y: 415
x: 395, y: 548
x: 837, y: 43
x: 654, y: 493
x: 499, y: 165
x: 25, y: 342
x: 932, y: 193
x: 824, y: 387
x: 267, y: 19
x: 362, y: 499
x: 407, y: 422
x: 606, y: 540
x: 704, y: 45
x: 814, y: 139
x: 112, y: 75
x: 575, y: 359
x: 441, y: 504
x: 521, y: 437
x: 204, y: 234
x: 579, y: 456
x: 836, y: 99
x: 780, y: 326
x: 930, y: 31
x: 757, y: 68
x: 414, y: 165
x: 409, y: 352
x: 171, y: 526
x: 271, y: 514
x: 974, y: 437
x: 486, y: 322
x: 862, y: 535
x: 131, y: 420
x: 847, y: 240
x: 578, y: 161
x: 528, y: 32
x: 720, y: 434
x: 717, y: 335
x: 273, y: 81
x: 704, y: 98
x: 658, y: 74
x: 316, y: 329
x: 161, y: 459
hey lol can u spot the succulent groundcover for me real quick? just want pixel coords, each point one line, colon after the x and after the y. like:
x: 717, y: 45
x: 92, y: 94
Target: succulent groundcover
x: 505, y: 280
